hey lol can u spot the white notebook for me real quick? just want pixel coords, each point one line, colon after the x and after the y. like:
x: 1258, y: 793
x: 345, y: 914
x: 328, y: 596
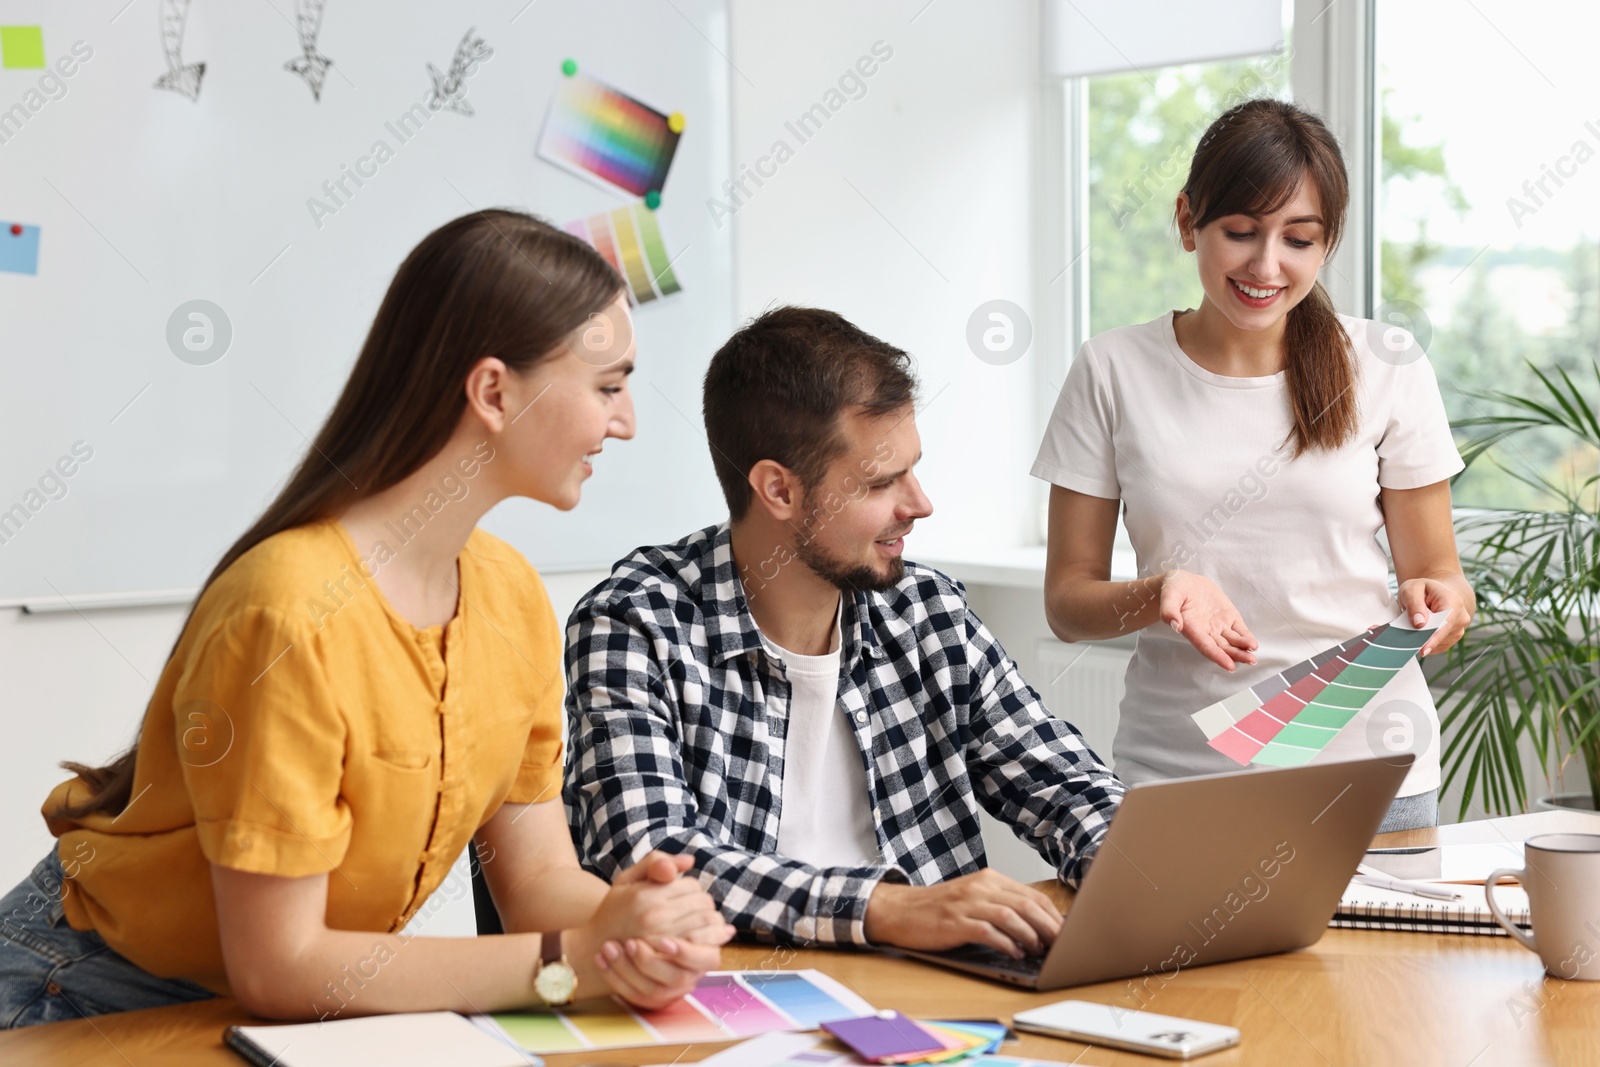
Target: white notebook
x: 1367, y: 907
x: 430, y: 1038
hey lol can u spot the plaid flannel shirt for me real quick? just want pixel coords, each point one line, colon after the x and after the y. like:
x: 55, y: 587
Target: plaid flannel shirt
x: 677, y: 743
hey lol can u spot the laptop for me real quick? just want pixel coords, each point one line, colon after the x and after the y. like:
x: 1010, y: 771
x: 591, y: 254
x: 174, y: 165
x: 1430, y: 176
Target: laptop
x: 1203, y: 870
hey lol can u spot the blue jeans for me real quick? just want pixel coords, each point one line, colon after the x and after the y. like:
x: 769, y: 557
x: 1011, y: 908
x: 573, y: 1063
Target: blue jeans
x: 50, y: 972
x: 1412, y: 813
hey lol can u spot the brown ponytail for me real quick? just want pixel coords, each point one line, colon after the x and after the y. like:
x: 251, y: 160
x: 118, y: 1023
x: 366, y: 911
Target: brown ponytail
x: 1250, y: 161
x: 494, y: 282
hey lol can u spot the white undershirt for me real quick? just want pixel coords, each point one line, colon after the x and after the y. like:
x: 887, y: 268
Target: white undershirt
x: 826, y: 814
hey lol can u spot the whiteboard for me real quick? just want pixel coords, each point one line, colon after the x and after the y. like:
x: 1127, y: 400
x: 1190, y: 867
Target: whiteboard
x: 135, y: 469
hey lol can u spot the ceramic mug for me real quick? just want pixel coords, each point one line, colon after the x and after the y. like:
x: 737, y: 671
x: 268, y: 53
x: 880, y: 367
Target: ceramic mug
x: 1562, y: 879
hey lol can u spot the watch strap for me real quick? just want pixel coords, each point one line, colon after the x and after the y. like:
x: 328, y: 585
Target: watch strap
x: 550, y: 948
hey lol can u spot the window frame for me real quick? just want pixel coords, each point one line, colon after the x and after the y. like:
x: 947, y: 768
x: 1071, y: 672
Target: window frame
x: 1332, y: 71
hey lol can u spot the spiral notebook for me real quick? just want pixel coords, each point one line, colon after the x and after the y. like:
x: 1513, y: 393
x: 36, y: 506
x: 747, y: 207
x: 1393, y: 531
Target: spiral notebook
x: 1367, y: 907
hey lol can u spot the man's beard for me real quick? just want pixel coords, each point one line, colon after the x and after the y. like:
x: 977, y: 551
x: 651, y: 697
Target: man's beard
x: 849, y: 577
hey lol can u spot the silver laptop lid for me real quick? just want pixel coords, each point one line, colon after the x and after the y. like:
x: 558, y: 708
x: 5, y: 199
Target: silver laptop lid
x: 1202, y: 870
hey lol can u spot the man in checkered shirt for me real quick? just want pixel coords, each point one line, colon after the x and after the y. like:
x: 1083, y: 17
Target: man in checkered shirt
x: 811, y: 718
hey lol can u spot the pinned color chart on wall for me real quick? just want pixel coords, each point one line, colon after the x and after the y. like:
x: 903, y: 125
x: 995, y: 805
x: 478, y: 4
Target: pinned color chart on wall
x: 630, y: 241
x: 1289, y: 718
x: 724, y: 1006
x: 607, y: 136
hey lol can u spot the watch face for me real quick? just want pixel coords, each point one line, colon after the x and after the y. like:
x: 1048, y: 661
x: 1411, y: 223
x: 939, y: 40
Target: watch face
x: 555, y: 983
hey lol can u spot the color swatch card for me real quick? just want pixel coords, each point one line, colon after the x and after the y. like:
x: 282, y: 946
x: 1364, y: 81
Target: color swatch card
x: 630, y: 240
x: 962, y: 1039
x: 19, y: 248
x: 724, y: 1006
x: 884, y: 1037
x: 806, y: 1050
x: 1011, y: 1061
x: 824, y: 1057
x: 607, y: 136
x: 1289, y: 718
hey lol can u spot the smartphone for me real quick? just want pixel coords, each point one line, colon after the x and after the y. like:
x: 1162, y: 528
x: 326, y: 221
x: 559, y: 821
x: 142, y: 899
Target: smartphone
x: 1136, y: 1031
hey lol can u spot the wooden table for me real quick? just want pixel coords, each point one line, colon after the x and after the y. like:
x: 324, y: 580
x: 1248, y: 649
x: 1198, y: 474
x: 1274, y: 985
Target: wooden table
x: 1355, y: 997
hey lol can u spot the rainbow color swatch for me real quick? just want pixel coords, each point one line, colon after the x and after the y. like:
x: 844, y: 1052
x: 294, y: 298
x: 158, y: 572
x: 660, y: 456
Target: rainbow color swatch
x: 605, y: 135
x: 725, y: 1005
x: 630, y: 241
x: 1289, y: 718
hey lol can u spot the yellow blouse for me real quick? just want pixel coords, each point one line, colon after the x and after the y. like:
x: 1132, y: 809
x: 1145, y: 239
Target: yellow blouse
x: 303, y: 726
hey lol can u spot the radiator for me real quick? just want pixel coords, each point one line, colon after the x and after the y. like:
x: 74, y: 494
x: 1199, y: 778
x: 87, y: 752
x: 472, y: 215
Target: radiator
x: 1082, y: 683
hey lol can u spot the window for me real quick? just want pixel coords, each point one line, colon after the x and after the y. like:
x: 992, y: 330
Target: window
x: 1127, y: 142
x: 1486, y: 218
x: 1142, y: 131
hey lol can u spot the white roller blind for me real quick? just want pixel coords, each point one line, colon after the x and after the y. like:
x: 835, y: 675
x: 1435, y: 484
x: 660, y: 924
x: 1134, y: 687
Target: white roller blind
x: 1083, y: 37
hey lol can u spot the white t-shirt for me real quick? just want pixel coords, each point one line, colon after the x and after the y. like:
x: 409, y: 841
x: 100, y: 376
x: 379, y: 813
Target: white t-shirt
x: 1195, y: 459
x: 825, y: 818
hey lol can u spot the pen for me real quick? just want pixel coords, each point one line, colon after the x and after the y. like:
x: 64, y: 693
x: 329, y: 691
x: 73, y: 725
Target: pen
x: 1400, y: 885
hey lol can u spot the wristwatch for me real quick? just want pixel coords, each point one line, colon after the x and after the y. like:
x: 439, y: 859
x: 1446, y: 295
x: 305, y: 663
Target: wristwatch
x: 555, y: 981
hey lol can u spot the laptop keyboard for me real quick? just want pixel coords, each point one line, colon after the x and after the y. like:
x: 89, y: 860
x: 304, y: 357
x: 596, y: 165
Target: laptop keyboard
x: 988, y: 957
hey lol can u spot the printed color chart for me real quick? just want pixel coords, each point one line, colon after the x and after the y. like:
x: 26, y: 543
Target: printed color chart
x: 1289, y: 718
x: 605, y: 135
x: 725, y: 1005
x: 630, y: 241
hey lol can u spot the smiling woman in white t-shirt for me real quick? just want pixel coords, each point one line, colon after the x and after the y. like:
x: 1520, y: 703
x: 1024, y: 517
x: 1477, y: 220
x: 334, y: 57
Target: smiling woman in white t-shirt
x: 1256, y: 446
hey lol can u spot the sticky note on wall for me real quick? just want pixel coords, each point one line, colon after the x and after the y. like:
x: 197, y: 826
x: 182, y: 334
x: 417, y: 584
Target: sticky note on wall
x: 22, y: 47
x: 19, y: 248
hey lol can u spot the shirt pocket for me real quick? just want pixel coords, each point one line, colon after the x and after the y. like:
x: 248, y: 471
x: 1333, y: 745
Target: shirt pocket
x: 403, y: 759
x: 393, y: 795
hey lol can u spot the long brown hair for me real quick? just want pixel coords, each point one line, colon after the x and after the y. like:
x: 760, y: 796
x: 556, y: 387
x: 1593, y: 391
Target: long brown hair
x: 496, y: 282
x: 1250, y: 161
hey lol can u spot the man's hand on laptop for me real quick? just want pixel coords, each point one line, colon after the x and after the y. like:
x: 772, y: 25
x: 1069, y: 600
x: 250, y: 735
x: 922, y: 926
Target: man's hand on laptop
x: 984, y: 908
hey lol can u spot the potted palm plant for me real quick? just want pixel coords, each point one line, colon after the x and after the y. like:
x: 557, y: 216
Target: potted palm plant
x: 1528, y: 671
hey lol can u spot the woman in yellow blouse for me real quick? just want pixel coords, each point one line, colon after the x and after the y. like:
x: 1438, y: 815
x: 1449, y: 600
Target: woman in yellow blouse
x: 366, y: 683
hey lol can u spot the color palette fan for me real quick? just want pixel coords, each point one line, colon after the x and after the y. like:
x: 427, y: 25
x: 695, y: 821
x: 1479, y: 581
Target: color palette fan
x: 725, y: 1005
x: 605, y: 135
x: 630, y: 241
x: 1289, y: 718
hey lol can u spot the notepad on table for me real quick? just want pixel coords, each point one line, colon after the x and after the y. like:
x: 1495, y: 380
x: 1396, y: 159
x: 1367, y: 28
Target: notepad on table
x: 1367, y: 907
x: 392, y: 1040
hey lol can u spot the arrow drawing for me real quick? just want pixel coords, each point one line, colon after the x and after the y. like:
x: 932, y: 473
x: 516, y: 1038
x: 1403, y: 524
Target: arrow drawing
x: 450, y: 89
x: 311, y: 65
x: 180, y: 78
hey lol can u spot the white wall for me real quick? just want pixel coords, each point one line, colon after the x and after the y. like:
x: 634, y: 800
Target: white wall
x: 908, y: 209
x: 930, y: 173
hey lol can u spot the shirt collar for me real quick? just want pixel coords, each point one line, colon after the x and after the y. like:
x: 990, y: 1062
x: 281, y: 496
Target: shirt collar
x: 731, y: 630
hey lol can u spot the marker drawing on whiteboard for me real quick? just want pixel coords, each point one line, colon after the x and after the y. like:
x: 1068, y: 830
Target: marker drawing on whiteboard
x: 311, y: 65
x: 180, y: 77
x: 450, y: 90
